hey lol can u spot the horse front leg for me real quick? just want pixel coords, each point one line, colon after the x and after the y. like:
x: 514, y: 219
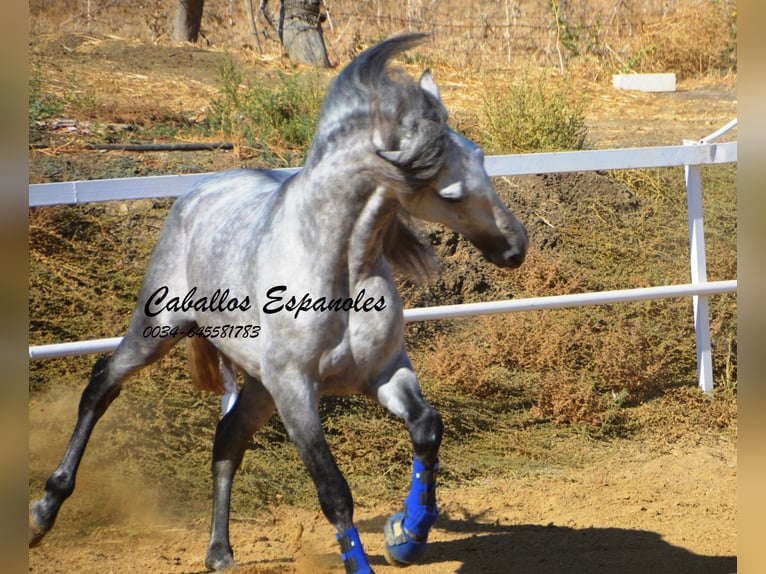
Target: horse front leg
x: 406, y: 532
x: 252, y: 410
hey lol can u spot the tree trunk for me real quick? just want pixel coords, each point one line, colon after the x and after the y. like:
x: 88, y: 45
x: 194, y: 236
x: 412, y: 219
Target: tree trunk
x: 300, y: 31
x: 188, y: 20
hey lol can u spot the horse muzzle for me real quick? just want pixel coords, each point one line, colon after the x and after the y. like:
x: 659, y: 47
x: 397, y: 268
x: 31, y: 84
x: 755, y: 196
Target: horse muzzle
x: 506, y: 251
x: 511, y: 258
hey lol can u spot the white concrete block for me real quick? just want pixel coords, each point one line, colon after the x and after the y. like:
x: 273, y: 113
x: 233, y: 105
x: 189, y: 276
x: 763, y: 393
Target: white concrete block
x: 645, y: 82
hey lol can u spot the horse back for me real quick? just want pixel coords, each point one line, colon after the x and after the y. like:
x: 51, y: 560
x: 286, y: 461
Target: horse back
x: 229, y: 191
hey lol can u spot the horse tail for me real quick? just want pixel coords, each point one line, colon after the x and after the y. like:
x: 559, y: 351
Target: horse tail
x: 210, y: 370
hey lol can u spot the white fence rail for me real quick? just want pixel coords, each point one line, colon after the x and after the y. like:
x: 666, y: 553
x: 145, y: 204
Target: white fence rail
x: 71, y: 192
x: 692, y: 155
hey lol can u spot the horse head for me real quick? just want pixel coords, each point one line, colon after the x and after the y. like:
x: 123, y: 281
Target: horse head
x: 438, y: 175
x: 444, y: 176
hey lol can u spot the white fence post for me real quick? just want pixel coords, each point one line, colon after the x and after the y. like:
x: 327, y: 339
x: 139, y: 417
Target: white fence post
x: 693, y: 175
x: 699, y: 275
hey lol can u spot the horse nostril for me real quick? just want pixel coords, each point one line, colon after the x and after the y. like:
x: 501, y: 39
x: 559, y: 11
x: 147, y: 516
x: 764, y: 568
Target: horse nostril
x: 515, y: 257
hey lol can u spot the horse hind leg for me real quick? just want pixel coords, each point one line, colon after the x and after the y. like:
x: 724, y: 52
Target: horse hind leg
x: 253, y: 408
x: 107, y: 376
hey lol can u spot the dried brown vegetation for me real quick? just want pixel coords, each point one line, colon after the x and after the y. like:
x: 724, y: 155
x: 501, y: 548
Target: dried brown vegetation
x: 689, y: 37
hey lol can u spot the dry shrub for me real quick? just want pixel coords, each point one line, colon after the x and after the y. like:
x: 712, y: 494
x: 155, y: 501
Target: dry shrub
x: 465, y: 365
x: 695, y: 39
x: 549, y: 273
x: 572, y: 364
x: 575, y: 361
x: 630, y: 346
x: 65, y: 284
x: 567, y: 399
x: 75, y: 293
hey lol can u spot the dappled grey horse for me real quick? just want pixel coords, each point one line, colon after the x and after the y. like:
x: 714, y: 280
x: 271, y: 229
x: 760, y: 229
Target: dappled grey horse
x: 288, y: 280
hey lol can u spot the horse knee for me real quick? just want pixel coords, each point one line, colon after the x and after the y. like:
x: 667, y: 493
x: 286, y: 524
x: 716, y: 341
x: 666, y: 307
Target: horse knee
x: 100, y: 391
x: 426, y: 432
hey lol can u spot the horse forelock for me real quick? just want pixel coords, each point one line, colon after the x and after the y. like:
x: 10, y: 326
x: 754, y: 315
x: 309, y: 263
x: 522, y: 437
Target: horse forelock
x: 384, y: 105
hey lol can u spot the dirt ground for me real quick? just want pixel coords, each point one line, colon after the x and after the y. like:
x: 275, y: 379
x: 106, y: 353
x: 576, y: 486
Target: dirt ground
x: 636, y: 508
x: 660, y: 502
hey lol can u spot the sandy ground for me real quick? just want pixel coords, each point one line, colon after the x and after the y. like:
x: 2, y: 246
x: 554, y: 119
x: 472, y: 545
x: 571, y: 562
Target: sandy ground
x: 638, y: 508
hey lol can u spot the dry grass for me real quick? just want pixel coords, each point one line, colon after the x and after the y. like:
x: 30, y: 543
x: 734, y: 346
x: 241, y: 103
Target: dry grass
x: 682, y: 36
x: 532, y: 113
x: 694, y: 39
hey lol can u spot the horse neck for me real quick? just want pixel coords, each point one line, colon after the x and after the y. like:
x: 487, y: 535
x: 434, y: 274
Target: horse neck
x: 344, y: 213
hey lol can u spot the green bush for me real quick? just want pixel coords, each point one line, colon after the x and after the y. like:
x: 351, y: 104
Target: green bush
x: 73, y: 98
x: 41, y: 105
x: 532, y: 114
x: 274, y: 116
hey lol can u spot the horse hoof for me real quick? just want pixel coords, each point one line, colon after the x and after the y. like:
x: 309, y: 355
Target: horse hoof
x: 36, y: 532
x: 219, y: 557
x: 219, y: 565
x: 36, y: 536
x: 400, y: 549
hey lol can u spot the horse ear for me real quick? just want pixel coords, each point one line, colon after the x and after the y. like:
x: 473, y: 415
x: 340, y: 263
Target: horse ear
x: 428, y: 85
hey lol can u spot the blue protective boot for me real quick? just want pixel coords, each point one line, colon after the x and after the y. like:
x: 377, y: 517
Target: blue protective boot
x: 406, y: 533
x: 352, y: 553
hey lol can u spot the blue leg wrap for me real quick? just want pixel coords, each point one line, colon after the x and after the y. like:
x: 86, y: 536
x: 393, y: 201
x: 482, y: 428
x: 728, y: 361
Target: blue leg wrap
x: 406, y: 533
x: 352, y: 553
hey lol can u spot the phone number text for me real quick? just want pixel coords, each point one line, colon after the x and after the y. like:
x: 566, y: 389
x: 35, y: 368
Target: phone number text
x: 206, y: 332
